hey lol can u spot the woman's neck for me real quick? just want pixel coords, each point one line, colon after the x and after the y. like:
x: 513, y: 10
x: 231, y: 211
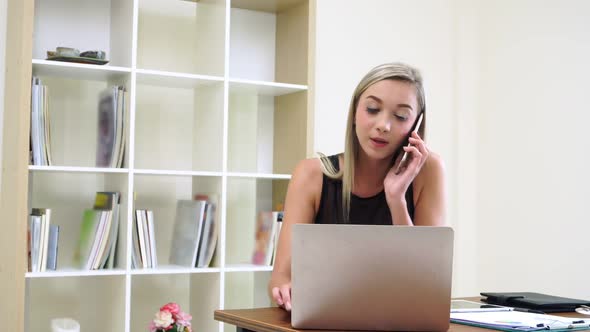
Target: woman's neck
x: 369, y: 175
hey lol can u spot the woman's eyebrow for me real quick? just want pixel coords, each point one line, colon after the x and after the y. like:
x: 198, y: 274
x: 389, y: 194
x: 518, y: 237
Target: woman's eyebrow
x: 373, y: 97
x: 398, y: 105
x: 406, y: 106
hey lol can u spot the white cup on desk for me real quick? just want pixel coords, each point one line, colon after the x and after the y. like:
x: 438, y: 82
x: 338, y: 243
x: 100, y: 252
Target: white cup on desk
x: 64, y: 325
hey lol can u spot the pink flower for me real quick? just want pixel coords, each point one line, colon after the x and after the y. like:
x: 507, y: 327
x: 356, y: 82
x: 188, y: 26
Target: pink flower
x: 183, y: 319
x: 153, y: 327
x: 171, y: 307
x: 163, y: 320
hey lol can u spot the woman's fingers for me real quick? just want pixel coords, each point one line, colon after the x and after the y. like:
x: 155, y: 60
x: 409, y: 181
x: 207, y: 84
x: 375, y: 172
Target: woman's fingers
x: 276, y: 295
x: 285, y: 291
x: 282, y: 296
x: 415, y: 160
x: 419, y: 143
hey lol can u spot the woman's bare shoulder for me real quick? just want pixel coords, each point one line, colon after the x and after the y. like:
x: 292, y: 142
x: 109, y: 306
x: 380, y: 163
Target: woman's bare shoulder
x: 306, y: 182
x: 432, y: 171
x: 434, y: 164
x: 308, y: 172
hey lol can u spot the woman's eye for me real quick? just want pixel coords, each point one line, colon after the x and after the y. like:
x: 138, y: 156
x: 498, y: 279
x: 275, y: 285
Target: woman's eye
x: 372, y: 110
x: 401, y: 117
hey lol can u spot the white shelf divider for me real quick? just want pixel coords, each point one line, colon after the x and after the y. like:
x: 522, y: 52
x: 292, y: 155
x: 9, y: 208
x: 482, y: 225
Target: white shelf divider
x: 247, y: 268
x: 73, y: 169
x: 175, y: 173
x: 78, y: 71
x: 173, y: 79
x: 75, y: 273
x: 259, y: 176
x: 264, y: 88
x: 171, y: 269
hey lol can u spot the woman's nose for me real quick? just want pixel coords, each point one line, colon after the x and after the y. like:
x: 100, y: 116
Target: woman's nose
x: 384, y: 125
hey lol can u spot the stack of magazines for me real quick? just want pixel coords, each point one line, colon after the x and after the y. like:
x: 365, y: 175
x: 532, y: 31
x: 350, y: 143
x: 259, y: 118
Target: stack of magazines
x: 40, y: 133
x: 144, y: 253
x: 42, y: 241
x: 97, y: 245
x: 195, y: 232
x: 111, y: 128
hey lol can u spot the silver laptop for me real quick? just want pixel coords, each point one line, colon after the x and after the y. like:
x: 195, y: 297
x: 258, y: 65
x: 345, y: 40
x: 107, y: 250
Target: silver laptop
x: 369, y: 277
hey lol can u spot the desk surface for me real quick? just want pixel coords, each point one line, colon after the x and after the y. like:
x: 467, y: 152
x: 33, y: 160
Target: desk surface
x: 278, y: 320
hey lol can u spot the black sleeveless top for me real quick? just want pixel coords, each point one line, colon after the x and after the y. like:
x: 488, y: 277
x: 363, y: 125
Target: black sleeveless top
x: 363, y: 210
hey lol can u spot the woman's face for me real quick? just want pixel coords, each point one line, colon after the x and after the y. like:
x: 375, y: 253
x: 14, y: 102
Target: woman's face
x: 384, y: 117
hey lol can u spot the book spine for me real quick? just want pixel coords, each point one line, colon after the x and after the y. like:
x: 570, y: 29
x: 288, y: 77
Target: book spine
x: 52, y: 247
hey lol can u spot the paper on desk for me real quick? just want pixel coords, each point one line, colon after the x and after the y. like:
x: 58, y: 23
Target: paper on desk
x: 515, y: 319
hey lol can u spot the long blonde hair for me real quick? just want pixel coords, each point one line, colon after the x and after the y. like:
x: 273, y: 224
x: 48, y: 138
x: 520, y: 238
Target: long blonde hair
x: 388, y: 71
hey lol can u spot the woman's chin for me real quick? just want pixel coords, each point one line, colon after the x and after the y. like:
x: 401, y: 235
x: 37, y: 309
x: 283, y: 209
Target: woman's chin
x: 378, y: 154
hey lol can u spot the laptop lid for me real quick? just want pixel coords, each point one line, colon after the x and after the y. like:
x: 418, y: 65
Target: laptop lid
x: 371, y: 277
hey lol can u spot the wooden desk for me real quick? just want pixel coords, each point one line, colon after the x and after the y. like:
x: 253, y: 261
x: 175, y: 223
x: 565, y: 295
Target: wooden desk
x: 278, y: 320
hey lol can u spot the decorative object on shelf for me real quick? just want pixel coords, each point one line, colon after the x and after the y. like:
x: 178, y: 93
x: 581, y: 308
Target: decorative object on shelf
x: 68, y: 54
x: 64, y: 325
x: 171, y: 319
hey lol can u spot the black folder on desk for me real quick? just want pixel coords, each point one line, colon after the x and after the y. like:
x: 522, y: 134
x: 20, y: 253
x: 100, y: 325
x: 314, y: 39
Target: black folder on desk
x: 536, y: 301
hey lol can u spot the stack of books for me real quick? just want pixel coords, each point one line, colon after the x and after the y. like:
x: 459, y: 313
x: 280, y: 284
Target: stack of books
x: 144, y: 240
x: 195, y: 232
x: 268, y: 228
x: 42, y: 241
x: 40, y: 129
x: 97, y: 245
x: 111, y: 128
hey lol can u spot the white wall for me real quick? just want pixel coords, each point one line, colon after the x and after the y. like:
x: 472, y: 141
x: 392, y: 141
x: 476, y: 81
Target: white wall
x: 505, y: 84
x: 3, y: 18
x: 533, y: 147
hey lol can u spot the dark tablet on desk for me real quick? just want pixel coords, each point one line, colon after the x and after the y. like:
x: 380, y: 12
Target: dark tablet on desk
x: 472, y: 306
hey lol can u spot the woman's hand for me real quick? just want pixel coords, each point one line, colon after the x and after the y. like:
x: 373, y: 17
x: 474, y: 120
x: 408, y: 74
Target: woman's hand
x: 282, y: 296
x: 396, y: 184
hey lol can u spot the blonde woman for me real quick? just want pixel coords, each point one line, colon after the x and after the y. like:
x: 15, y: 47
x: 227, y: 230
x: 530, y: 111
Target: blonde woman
x: 368, y: 184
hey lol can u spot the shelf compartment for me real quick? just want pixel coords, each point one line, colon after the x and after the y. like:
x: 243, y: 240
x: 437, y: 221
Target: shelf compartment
x: 105, y: 25
x: 79, y: 71
x: 252, y: 287
x: 179, y: 129
x: 269, y: 41
x: 74, y: 122
x: 68, y: 195
x: 196, y: 294
x: 267, y: 134
x: 161, y: 194
x: 246, y: 197
x: 83, y: 299
x: 181, y: 36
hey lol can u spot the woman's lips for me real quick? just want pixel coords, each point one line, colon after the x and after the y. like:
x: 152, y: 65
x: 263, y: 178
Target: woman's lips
x: 378, y: 142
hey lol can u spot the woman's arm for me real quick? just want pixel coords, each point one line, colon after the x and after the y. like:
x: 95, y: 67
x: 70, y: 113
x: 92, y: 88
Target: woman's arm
x: 301, y: 205
x: 430, y: 193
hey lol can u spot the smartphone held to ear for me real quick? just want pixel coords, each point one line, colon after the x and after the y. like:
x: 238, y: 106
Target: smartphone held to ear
x: 405, y: 156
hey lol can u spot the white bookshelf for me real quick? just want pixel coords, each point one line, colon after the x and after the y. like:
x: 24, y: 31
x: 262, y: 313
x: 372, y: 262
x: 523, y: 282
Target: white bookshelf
x: 217, y: 103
